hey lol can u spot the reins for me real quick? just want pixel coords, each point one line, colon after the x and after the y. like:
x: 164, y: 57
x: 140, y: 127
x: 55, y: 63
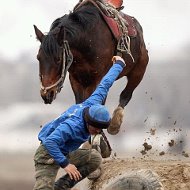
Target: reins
x: 67, y: 60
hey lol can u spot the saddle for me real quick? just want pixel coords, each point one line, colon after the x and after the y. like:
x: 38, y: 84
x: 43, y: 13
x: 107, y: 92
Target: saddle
x: 120, y: 24
x: 116, y: 3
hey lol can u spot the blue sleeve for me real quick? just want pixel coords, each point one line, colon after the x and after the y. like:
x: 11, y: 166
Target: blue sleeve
x: 52, y: 143
x: 100, y: 94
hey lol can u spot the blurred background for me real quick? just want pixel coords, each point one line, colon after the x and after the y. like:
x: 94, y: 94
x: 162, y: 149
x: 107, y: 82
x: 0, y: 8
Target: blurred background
x: 158, y: 112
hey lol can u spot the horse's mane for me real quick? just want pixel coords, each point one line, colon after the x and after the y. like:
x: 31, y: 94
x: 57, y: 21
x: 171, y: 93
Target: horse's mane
x: 50, y: 45
x: 85, y: 17
x: 75, y: 23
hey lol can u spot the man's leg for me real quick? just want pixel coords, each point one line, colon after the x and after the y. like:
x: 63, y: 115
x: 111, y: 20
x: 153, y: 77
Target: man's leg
x: 86, y: 161
x: 101, y: 144
x: 46, y: 170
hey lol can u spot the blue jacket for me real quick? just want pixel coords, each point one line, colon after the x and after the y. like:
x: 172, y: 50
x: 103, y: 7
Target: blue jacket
x: 67, y: 132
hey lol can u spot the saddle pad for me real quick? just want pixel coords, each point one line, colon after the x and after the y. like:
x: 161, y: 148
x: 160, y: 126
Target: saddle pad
x: 132, y: 32
x: 131, y: 25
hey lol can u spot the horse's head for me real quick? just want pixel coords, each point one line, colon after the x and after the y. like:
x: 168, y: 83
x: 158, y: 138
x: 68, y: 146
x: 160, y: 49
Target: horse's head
x: 54, y: 58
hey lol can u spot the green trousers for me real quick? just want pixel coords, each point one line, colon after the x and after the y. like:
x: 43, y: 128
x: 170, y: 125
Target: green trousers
x: 86, y: 161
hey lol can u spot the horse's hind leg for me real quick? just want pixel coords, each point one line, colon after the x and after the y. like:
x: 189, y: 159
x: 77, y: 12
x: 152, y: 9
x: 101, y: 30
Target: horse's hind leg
x: 134, y: 78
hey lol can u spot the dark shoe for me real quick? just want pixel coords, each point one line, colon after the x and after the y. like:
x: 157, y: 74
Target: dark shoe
x: 66, y: 183
x: 96, y: 174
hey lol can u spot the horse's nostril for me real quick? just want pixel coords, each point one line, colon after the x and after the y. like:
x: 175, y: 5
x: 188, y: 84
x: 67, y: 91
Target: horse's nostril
x: 45, y: 100
x: 48, y: 97
x: 52, y: 94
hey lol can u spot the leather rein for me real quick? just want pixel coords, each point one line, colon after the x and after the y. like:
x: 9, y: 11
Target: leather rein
x: 67, y: 59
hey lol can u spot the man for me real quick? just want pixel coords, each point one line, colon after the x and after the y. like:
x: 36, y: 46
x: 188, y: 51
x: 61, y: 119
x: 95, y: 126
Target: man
x: 62, y: 137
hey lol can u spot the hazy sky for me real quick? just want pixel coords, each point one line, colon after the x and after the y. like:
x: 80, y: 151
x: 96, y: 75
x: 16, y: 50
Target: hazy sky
x: 165, y: 23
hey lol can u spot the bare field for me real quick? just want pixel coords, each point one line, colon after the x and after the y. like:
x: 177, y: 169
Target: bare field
x: 17, y: 171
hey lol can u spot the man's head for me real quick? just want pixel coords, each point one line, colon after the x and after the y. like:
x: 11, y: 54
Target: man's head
x: 97, y: 118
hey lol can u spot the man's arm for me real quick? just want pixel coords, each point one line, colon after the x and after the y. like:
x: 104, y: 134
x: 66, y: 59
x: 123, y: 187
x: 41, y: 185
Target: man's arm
x: 52, y: 142
x: 60, y: 136
x: 99, y: 95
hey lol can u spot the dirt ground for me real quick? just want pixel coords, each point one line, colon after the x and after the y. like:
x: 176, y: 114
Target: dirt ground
x: 17, y: 171
x: 174, y: 174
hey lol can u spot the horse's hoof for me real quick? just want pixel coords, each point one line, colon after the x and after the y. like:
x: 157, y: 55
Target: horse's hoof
x: 135, y: 180
x: 112, y: 130
x: 116, y: 121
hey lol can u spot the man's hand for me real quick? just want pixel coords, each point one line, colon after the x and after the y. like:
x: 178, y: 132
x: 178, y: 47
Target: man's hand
x: 116, y: 58
x: 73, y: 172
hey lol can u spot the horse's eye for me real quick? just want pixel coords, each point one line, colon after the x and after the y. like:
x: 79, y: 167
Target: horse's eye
x: 58, y: 60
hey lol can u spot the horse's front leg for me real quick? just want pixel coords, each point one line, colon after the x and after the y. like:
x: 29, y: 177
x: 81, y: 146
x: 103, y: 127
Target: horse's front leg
x: 134, y: 78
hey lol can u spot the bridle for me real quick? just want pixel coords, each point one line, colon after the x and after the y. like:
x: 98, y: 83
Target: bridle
x: 67, y: 59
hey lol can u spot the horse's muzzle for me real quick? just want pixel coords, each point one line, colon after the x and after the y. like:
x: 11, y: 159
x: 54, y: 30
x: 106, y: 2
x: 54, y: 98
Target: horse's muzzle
x: 48, y: 96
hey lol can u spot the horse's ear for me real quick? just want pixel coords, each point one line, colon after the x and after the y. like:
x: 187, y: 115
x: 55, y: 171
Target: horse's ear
x: 39, y: 34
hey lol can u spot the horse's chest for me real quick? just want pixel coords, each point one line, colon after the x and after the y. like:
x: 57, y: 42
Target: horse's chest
x: 85, y: 73
x: 85, y: 77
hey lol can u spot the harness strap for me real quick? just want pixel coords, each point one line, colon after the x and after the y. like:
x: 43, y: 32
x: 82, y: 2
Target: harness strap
x: 67, y: 58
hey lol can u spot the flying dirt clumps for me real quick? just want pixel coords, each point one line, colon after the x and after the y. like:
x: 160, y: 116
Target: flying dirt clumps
x: 162, y: 153
x: 185, y: 154
x: 147, y: 147
x: 152, y: 131
x: 171, y: 143
x: 174, y: 144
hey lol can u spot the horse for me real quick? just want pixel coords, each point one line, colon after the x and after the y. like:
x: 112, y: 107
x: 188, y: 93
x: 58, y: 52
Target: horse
x: 82, y: 44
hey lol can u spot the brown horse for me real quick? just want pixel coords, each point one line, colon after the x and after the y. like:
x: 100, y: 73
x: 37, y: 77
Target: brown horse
x: 83, y: 44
